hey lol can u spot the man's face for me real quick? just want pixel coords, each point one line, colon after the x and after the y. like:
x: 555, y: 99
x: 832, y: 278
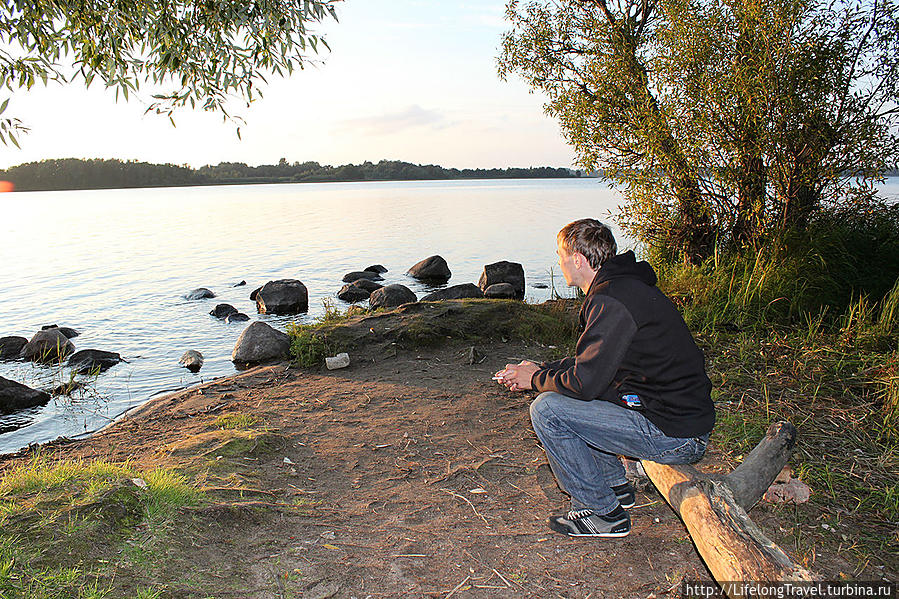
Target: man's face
x: 566, y: 264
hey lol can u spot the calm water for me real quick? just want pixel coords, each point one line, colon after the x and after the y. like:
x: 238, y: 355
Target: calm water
x: 113, y: 264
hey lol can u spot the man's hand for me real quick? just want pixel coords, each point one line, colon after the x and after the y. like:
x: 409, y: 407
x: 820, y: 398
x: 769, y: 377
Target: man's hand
x: 517, y: 377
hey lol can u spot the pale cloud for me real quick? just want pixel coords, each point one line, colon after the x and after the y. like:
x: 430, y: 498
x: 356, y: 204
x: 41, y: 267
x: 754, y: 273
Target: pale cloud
x: 395, y: 122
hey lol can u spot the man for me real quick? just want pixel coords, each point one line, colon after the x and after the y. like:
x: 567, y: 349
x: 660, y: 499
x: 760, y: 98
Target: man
x: 636, y: 386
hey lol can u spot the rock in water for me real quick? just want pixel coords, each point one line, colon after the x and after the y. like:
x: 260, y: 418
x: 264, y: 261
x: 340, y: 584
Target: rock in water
x: 16, y: 396
x: 222, y: 311
x: 455, y: 292
x: 391, y: 296
x: 192, y: 360
x: 433, y: 268
x: 259, y: 342
x: 67, y: 331
x: 361, y: 274
x: 376, y: 268
x: 284, y: 296
x: 358, y: 290
x: 236, y: 317
x: 88, y: 361
x: 500, y: 291
x: 47, y: 346
x: 503, y: 272
x: 254, y: 293
x: 11, y: 347
x: 198, y: 294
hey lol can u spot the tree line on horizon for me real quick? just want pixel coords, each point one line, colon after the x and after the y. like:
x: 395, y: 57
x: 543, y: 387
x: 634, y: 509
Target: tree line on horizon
x: 75, y: 173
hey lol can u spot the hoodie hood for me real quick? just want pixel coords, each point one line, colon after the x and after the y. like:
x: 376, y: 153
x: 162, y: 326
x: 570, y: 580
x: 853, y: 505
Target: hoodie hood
x: 626, y: 265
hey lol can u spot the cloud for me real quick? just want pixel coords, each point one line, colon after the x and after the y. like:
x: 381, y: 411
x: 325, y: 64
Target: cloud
x: 395, y: 122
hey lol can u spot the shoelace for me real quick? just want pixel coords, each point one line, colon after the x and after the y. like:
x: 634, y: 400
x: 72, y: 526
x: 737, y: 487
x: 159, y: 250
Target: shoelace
x: 578, y: 514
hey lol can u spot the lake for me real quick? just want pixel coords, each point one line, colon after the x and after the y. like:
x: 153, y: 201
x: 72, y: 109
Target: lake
x: 114, y: 264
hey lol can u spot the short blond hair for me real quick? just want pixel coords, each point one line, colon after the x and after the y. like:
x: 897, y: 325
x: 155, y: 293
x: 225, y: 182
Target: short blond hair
x: 588, y: 237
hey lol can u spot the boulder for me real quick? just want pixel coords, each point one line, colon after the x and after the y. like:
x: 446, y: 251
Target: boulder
x: 16, y: 396
x: 455, y: 292
x: 376, y: 268
x: 254, y: 293
x: 48, y: 345
x: 361, y: 274
x: 433, y: 268
x: 198, y: 294
x: 358, y: 290
x: 67, y: 331
x: 391, y: 296
x: 236, y: 317
x: 284, y: 296
x: 222, y: 311
x: 260, y: 342
x: 88, y: 361
x: 500, y: 291
x: 11, y: 347
x: 192, y: 360
x: 503, y: 272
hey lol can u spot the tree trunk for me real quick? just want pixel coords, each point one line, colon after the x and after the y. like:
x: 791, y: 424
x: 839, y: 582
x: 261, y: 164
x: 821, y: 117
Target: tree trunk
x: 714, y: 512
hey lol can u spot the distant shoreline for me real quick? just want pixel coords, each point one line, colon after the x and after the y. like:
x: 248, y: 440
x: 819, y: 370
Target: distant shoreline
x: 78, y: 174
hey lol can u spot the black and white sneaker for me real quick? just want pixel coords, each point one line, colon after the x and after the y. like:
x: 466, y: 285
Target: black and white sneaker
x: 625, y: 495
x: 587, y: 523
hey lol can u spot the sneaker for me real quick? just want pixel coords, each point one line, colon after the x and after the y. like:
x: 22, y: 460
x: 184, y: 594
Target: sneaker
x: 587, y: 523
x: 625, y: 495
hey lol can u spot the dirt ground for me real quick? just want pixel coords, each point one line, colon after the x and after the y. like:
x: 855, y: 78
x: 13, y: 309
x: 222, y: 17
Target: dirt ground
x: 408, y: 474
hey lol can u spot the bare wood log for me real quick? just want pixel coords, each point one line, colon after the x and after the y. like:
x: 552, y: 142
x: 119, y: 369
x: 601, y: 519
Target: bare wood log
x: 732, y: 546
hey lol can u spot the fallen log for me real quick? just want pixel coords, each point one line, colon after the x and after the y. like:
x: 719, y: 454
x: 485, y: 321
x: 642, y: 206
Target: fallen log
x: 713, y: 508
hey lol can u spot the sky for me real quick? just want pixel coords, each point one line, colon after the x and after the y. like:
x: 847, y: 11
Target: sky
x: 411, y: 80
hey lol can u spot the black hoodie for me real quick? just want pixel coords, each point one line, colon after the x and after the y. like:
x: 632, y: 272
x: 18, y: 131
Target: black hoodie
x: 634, y: 342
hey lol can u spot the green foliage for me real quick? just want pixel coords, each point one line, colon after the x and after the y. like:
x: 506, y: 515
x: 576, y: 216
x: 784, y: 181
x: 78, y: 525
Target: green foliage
x: 203, y: 52
x: 724, y: 121
x: 844, y: 265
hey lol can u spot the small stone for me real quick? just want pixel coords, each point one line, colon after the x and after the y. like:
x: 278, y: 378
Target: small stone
x: 341, y: 360
x: 192, y: 360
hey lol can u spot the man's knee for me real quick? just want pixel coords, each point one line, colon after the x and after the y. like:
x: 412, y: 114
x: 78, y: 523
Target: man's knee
x: 542, y: 408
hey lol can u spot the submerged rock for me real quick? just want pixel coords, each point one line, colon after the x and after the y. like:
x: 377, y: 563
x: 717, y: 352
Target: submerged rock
x: 259, y: 342
x: 284, y: 296
x: 88, y: 361
x: 433, y: 268
x: 358, y: 290
x: 455, y: 292
x: 376, y: 268
x: 198, y: 294
x: 11, y: 347
x: 222, y: 311
x: 391, y: 296
x: 192, y: 360
x: 16, y: 396
x: 503, y: 272
x: 361, y: 274
x: 236, y: 317
x: 48, y: 345
x: 241, y: 284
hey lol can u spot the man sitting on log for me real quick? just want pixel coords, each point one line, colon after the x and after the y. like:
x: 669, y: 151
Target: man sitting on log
x: 636, y: 386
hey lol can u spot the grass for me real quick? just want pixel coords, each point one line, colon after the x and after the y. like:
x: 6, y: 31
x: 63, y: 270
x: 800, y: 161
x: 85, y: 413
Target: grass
x: 92, y: 509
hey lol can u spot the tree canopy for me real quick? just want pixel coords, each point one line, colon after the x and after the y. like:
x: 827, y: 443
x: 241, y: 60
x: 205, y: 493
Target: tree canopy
x: 200, y: 53
x: 725, y: 121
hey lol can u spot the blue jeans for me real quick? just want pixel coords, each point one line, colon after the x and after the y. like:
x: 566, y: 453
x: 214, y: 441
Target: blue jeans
x: 583, y: 439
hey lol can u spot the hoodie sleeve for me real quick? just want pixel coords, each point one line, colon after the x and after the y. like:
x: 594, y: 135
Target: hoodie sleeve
x: 608, y: 331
